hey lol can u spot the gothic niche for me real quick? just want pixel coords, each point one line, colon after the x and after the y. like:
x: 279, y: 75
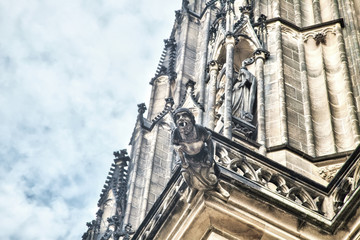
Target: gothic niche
x: 233, y: 50
x: 243, y: 99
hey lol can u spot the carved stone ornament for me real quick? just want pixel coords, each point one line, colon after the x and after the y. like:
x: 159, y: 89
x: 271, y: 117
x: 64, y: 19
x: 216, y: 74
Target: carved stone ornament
x: 195, y: 149
x: 127, y: 232
x: 320, y: 38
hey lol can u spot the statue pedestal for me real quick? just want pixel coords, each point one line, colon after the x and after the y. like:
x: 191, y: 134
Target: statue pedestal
x: 243, y: 128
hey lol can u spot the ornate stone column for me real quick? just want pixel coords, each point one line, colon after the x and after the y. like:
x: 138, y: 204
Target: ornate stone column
x: 203, y: 61
x: 230, y: 43
x: 260, y: 56
x: 214, y: 71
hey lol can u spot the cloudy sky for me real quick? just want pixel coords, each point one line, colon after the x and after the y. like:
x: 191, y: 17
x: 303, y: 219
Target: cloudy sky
x: 71, y: 75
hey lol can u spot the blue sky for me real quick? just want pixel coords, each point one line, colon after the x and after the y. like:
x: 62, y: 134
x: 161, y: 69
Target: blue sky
x: 71, y: 75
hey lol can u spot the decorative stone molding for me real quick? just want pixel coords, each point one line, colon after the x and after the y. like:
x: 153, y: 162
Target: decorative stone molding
x: 243, y: 127
x: 239, y: 23
x: 171, y: 45
x: 170, y: 52
x: 348, y: 186
x: 212, y: 33
x: 211, y: 3
x: 246, y: 9
x: 319, y: 35
x: 127, y: 232
x: 261, y: 53
x: 262, y: 31
x: 289, y: 31
x: 270, y: 179
x: 149, y: 126
x: 190, y: 95
x: 93, y: 230
x: 178, y: 16
x: 116, y: 183
x: 185, y: 5
x: 328, y: 172
x: 320, y: 38
x: 229, y: 39
x: 169, y: 198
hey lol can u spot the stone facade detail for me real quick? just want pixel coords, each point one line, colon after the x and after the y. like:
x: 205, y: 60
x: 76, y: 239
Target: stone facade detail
x: 109, y: 221
x: 277, y: 84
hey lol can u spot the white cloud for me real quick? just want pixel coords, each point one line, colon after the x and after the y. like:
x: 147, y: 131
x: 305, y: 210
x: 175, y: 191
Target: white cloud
x: 71, y: 74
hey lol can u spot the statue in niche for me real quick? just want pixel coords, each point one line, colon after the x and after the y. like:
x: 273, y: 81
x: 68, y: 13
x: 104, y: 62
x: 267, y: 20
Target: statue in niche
x: 244, y: 93
x: 195, y: 149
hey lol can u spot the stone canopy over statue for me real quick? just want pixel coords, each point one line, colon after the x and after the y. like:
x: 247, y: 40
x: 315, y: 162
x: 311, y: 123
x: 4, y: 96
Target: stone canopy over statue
x: 195, y: 149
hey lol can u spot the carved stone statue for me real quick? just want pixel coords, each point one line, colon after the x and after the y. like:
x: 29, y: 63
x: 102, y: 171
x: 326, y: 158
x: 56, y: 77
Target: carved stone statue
x: 195, y: 149
x: 244, y: 94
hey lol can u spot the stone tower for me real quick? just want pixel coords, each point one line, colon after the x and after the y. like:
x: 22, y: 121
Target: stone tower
x: 277, y: 83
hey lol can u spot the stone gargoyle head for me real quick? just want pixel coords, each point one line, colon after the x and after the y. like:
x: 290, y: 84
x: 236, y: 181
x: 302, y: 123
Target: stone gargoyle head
x: 184, y: 120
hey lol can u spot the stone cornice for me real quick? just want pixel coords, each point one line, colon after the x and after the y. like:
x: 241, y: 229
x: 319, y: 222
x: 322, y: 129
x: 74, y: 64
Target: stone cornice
x: 308, y: 157
x: 304, y: 29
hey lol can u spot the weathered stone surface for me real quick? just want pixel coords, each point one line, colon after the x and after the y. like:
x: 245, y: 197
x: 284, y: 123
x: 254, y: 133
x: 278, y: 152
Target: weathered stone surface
x: 306, y: 114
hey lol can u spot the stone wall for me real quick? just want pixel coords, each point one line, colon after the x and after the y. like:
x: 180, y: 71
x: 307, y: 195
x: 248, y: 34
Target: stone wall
x: 162, y: 166
x: 273, y: 77
x: 287, y: 10
x: 294, y: 93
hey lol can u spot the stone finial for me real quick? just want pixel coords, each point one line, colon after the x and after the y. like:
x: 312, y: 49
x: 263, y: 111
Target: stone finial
x: 178, y: 16
x: 141, y: 108
x: 169, y: 42
x: 190, y: 84
x: 99, y: 213
x: 229, y: 38
x: 212, y: 33
x: 186, y: 4
x: 169, y: 102
x: 262, y: 19
x: 127, y: 232
x: 245, y: 9
x: 120, y: 154
x: 114, y: 220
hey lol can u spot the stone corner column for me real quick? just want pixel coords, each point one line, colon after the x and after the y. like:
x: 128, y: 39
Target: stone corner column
x: 214, y: 71
x: 230, y: 43
x: 260, y: 56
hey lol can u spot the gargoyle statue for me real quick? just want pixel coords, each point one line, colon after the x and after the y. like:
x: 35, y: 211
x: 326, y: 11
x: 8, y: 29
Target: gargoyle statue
x: 195, y: 149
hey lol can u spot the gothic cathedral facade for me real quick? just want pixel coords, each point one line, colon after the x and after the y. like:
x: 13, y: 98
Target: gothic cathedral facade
x: 276, y: 83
